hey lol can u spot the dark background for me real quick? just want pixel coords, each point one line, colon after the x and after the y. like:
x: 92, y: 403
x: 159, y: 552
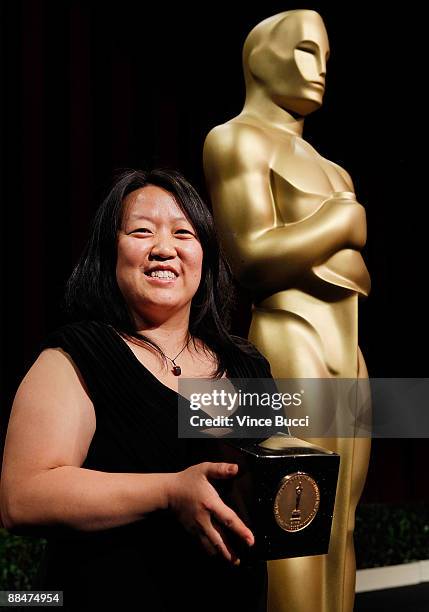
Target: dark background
x: 88, y: 88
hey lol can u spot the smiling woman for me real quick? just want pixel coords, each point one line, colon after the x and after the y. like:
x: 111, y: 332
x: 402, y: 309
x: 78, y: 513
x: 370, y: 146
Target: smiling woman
x: 92, y: 459
x: 159, y: 263
x: 149, y: 223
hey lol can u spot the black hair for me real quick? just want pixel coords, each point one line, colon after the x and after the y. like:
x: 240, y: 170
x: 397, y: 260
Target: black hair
x: 92, y: 291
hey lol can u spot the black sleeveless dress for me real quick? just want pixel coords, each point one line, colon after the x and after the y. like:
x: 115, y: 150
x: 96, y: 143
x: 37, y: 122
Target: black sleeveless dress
x: 152, y: 564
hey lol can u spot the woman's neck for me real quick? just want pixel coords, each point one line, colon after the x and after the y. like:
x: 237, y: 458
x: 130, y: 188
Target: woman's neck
x: 170, y: 334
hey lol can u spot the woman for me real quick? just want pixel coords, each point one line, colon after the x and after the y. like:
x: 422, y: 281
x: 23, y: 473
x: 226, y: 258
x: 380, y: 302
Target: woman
x: 92, y: 457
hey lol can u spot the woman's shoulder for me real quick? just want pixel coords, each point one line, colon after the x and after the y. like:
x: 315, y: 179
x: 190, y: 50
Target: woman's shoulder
x: 89, y: 346
x: 72, y: 331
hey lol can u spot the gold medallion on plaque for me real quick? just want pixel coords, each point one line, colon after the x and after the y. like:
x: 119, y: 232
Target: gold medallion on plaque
x: 297, y: 501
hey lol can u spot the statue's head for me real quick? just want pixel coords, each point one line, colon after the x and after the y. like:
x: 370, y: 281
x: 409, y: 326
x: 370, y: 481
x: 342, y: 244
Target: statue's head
x: 286, y: 55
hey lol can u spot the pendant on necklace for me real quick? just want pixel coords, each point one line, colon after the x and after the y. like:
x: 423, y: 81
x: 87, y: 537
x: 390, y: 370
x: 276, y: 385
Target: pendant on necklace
x: 177, y: 370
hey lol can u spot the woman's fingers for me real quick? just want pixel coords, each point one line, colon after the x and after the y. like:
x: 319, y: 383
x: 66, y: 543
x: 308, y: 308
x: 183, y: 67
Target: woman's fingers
x: 220, y: 543
x: 226, y: 540
x: 214, y: 540
x: 223, y: 514
x: 228, y: 518
x: 209, y: 547
x: 220, y: 470
x: 202, y: 511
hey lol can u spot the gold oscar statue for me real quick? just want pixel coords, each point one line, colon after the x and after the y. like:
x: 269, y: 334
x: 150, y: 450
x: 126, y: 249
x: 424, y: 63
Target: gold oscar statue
x: 293, y: 230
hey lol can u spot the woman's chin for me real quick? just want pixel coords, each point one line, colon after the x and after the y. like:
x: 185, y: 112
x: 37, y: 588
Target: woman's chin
x: 162, y: 308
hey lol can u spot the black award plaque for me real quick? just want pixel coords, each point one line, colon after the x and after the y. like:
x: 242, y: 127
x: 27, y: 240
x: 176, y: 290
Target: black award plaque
x: 284, y: 492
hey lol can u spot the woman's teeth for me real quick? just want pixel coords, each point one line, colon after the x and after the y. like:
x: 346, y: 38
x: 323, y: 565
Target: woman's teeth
x: 163, y: 274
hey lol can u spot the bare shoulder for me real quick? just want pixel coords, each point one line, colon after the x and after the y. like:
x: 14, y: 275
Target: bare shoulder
x: 238, y: 142
x: 53, y: 371
x: 52, y: 420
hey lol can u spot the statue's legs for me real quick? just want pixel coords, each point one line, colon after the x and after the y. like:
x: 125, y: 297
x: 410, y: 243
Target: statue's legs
x: 323, y: 583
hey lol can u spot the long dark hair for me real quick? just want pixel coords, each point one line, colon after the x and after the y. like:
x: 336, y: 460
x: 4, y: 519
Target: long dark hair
x: 92, y: 292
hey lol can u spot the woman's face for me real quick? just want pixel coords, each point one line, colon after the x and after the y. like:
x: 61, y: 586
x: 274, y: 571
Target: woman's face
x: 159, y: 258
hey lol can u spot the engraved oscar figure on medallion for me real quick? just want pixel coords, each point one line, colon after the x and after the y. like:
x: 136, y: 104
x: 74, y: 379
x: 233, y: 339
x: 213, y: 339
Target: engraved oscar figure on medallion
x: 296, y: 512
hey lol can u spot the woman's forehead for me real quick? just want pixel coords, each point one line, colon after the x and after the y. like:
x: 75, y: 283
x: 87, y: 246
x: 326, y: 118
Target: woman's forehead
x: 152, y: 202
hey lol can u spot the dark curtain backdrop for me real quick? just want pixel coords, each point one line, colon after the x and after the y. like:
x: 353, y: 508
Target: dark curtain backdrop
x: 88, y: 88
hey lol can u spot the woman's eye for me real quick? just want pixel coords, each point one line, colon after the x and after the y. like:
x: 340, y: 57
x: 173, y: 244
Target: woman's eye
x: 141, y: 230
x: 184, y: 231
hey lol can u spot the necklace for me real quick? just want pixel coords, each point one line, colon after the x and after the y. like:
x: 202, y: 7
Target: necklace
x: 177, y: 370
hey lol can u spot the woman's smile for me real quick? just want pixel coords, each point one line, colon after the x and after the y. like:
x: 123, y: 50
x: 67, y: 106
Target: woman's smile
x: 158, y: 241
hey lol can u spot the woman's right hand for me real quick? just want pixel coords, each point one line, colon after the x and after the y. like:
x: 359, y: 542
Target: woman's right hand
x: 202, y: 512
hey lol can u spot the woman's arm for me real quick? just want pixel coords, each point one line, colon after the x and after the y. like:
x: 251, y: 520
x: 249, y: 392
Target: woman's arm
x: 50, y: 429
x: 83, y: 499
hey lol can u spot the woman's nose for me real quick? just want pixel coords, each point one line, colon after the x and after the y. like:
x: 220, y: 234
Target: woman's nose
x: 163, y: 247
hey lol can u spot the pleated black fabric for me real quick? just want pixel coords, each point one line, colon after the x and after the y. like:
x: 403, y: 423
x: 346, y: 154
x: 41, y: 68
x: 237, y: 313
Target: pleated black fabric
x: 151, y: 564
